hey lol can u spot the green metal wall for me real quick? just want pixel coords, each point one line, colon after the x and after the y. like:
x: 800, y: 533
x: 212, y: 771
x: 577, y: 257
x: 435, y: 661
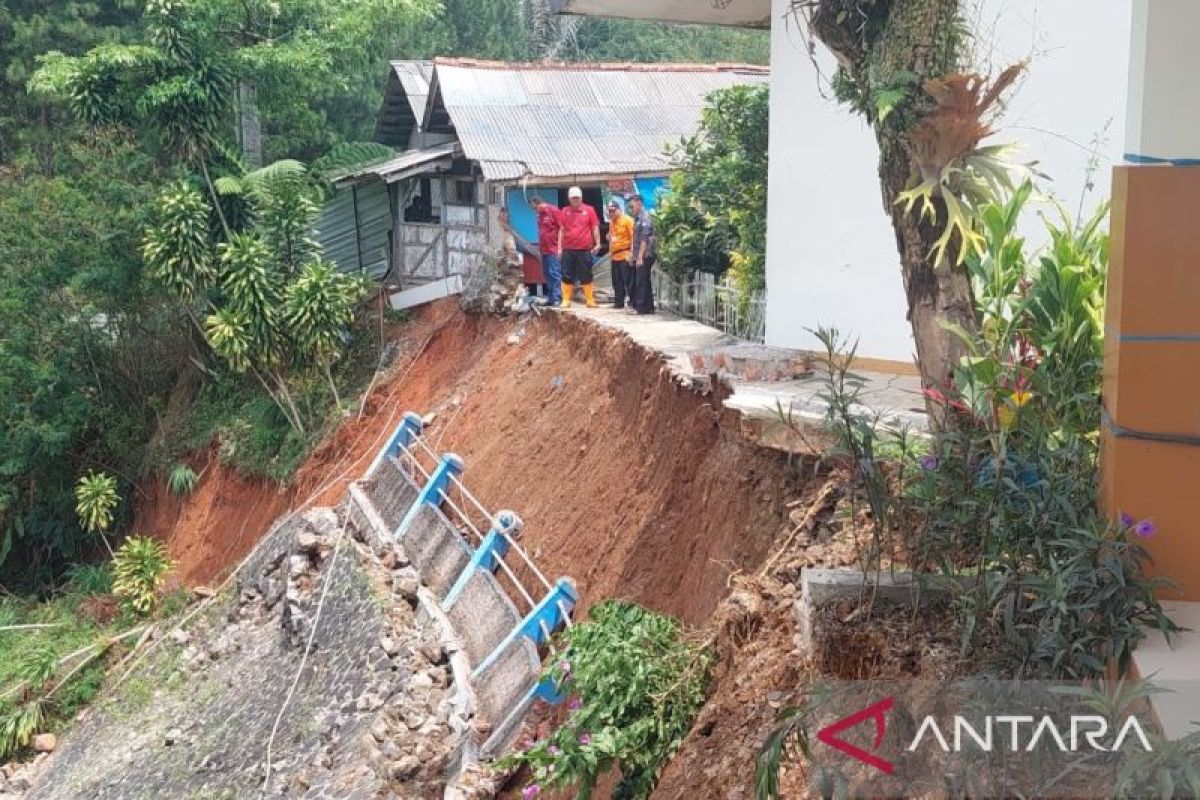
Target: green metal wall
x: 370, y: 250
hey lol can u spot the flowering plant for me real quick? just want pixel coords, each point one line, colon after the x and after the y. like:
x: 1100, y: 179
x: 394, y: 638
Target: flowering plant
x: 635, y: 680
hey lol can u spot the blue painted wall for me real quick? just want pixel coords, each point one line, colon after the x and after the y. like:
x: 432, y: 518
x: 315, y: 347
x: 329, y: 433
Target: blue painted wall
x: 524, y: 222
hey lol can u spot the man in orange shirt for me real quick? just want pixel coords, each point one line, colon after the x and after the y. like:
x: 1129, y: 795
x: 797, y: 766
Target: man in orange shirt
x: 620, y: 246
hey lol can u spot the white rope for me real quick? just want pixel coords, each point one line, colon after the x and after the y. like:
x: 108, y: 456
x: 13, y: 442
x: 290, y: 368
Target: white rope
x: 529, y: 561
x: 467, y: 493
x: 312, y: 633
x: 516, y: 582
x: 566, y: 615
x: 459, y: 513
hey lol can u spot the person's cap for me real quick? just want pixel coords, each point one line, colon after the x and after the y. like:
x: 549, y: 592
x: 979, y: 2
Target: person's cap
x: 575, y: 191
x: 613, y: 204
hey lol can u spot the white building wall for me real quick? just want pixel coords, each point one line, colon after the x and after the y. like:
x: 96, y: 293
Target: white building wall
x: 831, y: 254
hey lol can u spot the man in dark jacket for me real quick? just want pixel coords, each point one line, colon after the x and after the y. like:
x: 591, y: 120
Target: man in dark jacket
x: 644, y: 253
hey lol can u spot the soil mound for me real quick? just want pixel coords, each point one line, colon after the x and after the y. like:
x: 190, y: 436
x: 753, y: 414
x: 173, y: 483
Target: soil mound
x: 633, y: 485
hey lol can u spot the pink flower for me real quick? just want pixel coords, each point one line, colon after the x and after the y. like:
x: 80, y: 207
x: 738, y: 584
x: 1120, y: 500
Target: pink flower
x: 553, y: 750
x: 565, y: 667
x: 1144, y: 529
x: 928, y: 462
x: 531, y: 791
x: 585, y: 738
x: 574, y: 704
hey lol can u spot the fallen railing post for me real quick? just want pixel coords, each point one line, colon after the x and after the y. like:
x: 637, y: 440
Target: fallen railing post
x: 487, y: 556
x: 410, y: 427
x: 431, y: 493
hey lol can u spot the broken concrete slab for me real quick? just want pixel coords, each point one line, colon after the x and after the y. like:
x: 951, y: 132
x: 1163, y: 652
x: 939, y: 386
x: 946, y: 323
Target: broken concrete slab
x: 821, y: 586
x: 894, y: 399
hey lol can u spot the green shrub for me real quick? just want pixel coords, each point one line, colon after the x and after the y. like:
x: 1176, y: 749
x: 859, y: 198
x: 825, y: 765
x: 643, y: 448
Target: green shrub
x: 636, y: 682
x: 95, y: 499
x: 1010, y: 497
x: 715, y: 217
x: 139, y: 569
x: 182, y: 479
x: 90, y: 579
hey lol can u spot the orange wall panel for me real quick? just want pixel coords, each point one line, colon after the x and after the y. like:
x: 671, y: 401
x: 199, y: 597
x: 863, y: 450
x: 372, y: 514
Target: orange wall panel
x: 1160, y: 481
x: 1151, y: 382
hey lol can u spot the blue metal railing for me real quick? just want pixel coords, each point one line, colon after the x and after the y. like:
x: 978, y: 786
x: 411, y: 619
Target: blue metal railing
x: 493, y: 539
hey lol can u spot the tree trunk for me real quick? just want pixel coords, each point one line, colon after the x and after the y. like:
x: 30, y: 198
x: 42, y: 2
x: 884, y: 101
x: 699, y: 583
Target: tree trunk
x: 249, y: 129
x: 918, y: 37
x: 936, y: 296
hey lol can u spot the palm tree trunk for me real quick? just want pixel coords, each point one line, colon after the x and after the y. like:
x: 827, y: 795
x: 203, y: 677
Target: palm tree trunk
x: 333, y: 385
x: 249, y: 130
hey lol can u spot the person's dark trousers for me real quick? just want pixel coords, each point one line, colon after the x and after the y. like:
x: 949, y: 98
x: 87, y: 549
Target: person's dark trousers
x: 622, y: 281
x: 643, y: 295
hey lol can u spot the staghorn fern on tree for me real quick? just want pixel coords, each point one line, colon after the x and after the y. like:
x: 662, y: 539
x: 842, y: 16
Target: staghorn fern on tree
x: 952, y: 167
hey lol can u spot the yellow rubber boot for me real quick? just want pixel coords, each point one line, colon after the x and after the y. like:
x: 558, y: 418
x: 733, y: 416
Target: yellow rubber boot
x: 567, y: 290
x: 589, y: 294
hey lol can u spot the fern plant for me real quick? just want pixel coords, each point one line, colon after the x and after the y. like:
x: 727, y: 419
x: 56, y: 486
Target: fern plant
x: 139, y: 569
x: 182, y: 479
x: 953, y: 168
x: 18, y: 724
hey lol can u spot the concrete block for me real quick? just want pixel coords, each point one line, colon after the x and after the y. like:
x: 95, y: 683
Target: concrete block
x: 819, y: 587
x: 436, y: 549
x: 391, y: 492
x: 510, y: 679
x: 483, y: 615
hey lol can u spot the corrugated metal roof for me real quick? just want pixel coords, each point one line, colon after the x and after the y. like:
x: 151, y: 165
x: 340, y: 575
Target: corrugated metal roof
x: 559, y: 120
x: 403, y: 165
x: 414, y: 77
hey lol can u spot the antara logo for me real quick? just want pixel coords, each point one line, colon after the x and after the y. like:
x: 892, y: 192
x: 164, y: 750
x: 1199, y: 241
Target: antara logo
x: 1041, y: 730
x: 878, y: 713
x: 1025, y: 733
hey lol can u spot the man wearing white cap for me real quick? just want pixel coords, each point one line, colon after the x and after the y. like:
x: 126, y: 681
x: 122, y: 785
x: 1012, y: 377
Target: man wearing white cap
x: 579, y: 241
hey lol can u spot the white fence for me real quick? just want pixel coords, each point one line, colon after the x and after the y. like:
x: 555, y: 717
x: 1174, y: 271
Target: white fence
x: 713, y: 301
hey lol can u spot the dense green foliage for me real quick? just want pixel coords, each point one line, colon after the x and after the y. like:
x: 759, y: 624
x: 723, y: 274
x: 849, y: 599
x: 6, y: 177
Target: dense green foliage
x: 715, y: 218
x: 87, y: 352
x: 1064, y: 592
x: 29, y: 28
x: 139, y: 568
x: 637, y: 682
x: 105, y: 105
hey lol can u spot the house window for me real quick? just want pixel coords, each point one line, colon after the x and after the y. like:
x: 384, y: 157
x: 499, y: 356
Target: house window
x: 463, y: 193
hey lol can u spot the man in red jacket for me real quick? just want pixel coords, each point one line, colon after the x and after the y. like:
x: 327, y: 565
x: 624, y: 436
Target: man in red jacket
x: 549, y: 225
x: 579, y: 241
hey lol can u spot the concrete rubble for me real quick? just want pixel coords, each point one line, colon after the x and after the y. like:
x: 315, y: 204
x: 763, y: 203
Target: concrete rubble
x: 373, y: 714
